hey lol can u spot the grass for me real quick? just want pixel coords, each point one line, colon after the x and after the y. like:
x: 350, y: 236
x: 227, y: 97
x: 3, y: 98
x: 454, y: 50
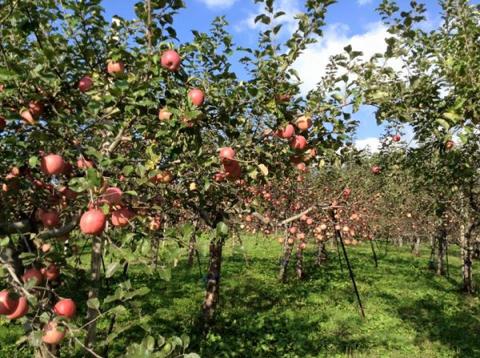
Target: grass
x: 410, y: 311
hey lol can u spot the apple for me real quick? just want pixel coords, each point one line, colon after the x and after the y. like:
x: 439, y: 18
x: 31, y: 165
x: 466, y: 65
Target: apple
x: 287, y: 132
x: 114, y: 67
x: 302, y: 246
x: 346, y: 193
x: 164, y: 114
x: 227, y: 154
x: 36, y: 108
x: 280, y: 240
x: 121, y: 217
x: 65, y: 308
x: 171, y: 60
x: 290, y: 241
x: 52, y: 164
x: 93, y: 222
x: 50, y: 219
x: 345, y: 228
x: 376, y: 169
x: 303, y: 123
x: 155, y: 223
x: 309, y: 221
x: 396, y: 138
x: 3, y: 123
x: 292, y: 230
x: 33, y: 274
x: 449, y: 144
x: 219, y: 177
x: 51, y: 273
x: 7, y: 303
x: 232, y: 170
x: 52, y: 334
x: 301, y: 167
x: 83, y: 163
x: 20, y: 310
x: 27, y: 117
x: 85, y: 84
x: 196, y: 96
x: 298, y: 142
x: 113, y: 195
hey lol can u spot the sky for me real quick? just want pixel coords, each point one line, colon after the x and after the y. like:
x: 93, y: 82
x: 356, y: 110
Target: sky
x: 348, y: 22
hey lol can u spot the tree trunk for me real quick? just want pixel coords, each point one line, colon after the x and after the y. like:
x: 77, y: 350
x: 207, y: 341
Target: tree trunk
x: 92, y: 313
x: 287, y: 253
x: 299, y: 263
x: 466, y: 252
x: 212, y: 293
x: 321, y: 254
x: 441, y: 238
x: 416, y: 247
x: 192, y: 245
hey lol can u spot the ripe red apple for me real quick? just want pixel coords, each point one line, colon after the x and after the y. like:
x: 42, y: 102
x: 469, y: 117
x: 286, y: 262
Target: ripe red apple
x: 298, y: 142
x: 52, y: 164
x: 219, y: 177
x: 232, y: 170
x: 33, y: 274
x: 93, y: 222
x: 113, y: 195
x: 65, y: 308
x: 227, y: 154
x: 376, y: 169
x: 20, y: 310
x: 85, y: 84
x: 51, y: 273
x: 290, y: 241
x: 171, y: 60
x: 164, y: 114
x: 121, y: 217
x: 36, y: 108
x: 52, y: 333
x: 50, y: 219
x: 7, y: 302
x: 301, y: 167
x: 196, y: 96
x: 302, y: 246
x: 292, y: 230
x: 303, y: 123
x: 287, y: 132
x: 346, y: 193
x: 83, y: 163
x: 3, y: 123
x: 114, y: 68
x: 396, y: 138
x: 309, y: 221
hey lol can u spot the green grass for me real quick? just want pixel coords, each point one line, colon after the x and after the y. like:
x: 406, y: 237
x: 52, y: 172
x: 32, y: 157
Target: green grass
x: 410, y: 311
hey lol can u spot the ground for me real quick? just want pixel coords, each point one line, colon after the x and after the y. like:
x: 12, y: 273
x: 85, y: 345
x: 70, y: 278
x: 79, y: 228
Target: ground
x: 410, y: 312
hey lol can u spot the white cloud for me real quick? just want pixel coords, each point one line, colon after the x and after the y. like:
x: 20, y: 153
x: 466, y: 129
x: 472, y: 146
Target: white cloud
x: 218, y: 3
x: 312, y: 63
x: 371, y: 144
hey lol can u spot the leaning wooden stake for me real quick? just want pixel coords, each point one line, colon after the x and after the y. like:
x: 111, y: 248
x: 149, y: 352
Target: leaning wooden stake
x: 338, y: 235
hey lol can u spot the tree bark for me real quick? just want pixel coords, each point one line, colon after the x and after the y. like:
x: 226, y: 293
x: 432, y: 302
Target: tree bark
x: 441, y: 238
x: 467, y: 253
x: 192, y: 245
x: 299, y: 263
x: 416, y: 246
x: 287, y: 253
x: 92, y: 314
x: 212, y: 293
x: 321, y: 254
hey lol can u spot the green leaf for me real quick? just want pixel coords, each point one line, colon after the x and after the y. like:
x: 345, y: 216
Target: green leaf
x: 222, y: 229
x: 93, y: 303
x: 111, y: 269
x: 263, y: 169
x: 33, y: 161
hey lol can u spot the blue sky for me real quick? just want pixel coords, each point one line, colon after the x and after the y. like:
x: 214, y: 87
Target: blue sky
x: 348, y: 21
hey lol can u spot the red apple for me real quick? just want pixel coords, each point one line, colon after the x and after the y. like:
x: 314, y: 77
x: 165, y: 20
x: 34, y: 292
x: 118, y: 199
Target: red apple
x: 93, y: 222
x: 376, y: 169
x: 346, y: 193
x: 219, y: 177
x: 396, y: 138
x: 114, y: 68
x: 155, y: 223
x: 298, y: 142
x: 33, y: 274
x: 227, y: 154
x: 52, y: 164
x: 287, y: 132
x: 52, y: 334
x: 85, y: 84
x: 65, y: 308
x: 50, y: 219
x: 83, y: 163
x: 21, y: 309
x: 121, y: 217
x: 292, y: 230
x: 7, y: 303
x: 232, y: 170
x: 196, y: 96
x: 36, y: 108
x: 301, y: 167
x: 113, y: 195
x: 171, y: 60
x: 51, y: 273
